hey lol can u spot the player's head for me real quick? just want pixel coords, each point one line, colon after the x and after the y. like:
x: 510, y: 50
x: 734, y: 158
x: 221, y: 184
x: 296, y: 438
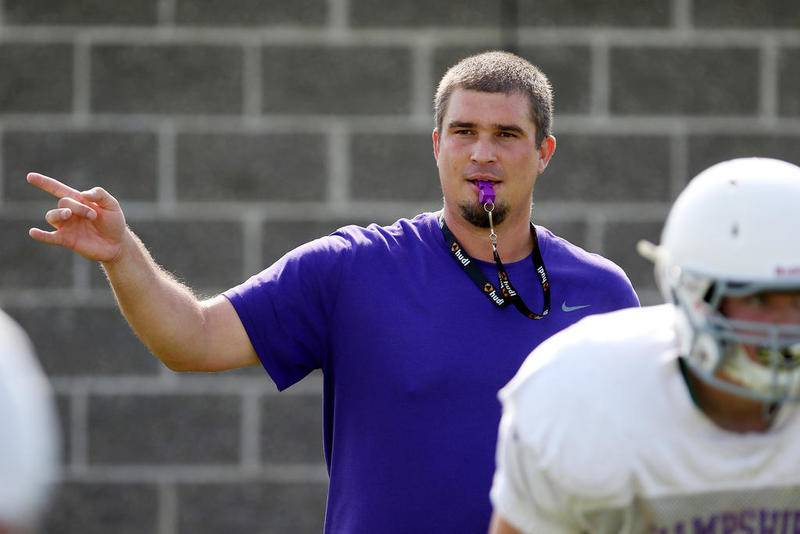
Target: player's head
x: 28, y: 436
x: 499, y: 72
x: 729, y: 259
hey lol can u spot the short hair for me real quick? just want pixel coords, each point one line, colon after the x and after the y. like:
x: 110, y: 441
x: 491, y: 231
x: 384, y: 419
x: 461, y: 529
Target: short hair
x: 499, y: 72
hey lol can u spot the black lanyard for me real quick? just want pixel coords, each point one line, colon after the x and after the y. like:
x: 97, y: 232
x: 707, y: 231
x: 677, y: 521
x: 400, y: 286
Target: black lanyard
x: 508, y: 295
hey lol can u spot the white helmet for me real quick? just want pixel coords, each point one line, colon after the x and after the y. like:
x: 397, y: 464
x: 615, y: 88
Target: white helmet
x: 28, y: 437
x: 735, y: 231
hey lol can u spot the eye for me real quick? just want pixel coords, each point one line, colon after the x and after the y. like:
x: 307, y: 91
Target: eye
x: 507, y: 134
x: 757, y: 300
x: 463, y: 131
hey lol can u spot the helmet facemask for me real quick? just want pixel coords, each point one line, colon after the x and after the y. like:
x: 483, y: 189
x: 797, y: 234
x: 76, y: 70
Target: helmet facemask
x: 756, y: 360
x: 732, y: 233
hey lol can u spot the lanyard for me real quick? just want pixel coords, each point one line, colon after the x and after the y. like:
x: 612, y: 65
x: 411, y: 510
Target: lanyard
x: 507, y: 294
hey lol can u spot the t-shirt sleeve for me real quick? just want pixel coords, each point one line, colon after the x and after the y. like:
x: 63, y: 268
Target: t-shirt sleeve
x: 286, y: 308
x: 618, y: 290
x: 627, y: 295
x: 522, y: 492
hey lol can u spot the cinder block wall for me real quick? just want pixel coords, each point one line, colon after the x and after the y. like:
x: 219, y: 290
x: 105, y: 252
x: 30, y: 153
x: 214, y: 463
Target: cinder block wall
x: 233, y: 131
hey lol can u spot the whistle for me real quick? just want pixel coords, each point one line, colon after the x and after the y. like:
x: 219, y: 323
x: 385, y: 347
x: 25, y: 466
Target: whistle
x: 485, y: 192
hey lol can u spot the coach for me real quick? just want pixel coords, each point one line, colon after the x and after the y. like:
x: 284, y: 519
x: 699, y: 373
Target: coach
x: 415, y: 325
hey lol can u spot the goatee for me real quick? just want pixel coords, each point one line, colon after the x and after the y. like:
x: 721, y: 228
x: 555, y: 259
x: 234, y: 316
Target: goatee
x: 473, y: 213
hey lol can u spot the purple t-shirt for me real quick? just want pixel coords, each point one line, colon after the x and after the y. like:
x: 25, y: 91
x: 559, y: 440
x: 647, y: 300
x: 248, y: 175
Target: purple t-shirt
x: 413, y: 355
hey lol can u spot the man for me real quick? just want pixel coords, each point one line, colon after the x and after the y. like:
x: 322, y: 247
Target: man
x: 28, y: 439
x: 409, y: 324
x: 675, y: 418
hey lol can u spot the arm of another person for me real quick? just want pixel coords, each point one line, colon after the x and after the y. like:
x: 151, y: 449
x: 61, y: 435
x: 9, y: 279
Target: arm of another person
x: 501, y: 526
x: 525, y: 498
x: 183, y: 332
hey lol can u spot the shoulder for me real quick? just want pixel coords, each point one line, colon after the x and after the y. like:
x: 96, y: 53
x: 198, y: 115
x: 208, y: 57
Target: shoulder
x: 592, y: 273
x: 350, y: 251
x: 417, y: 228
x: 13, y: 340
x: 401, y: 237
x: 576, y: 259
x: 29, y: 459
x: 354, y: 239
x: 19, y: 366
x: 575, y: 396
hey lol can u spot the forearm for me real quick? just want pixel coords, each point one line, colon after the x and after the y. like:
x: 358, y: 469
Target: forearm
x: 164, y: 313
x: 184, y: 333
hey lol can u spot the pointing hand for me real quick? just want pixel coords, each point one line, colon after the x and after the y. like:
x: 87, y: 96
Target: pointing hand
x: 89, y: 222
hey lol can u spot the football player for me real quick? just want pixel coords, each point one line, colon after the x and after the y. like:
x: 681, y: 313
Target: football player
x: 676, y: 418
x: 28, y: 437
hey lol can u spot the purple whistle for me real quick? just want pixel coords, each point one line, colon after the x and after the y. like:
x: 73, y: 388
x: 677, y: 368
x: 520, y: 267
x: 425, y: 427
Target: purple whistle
x: 485, y: 192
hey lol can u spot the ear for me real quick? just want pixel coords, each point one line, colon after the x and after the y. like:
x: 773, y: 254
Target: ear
x: 546, y: 150
x: 435, y: 139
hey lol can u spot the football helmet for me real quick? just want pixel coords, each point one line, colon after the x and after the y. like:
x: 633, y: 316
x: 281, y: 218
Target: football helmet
x: 735, y: 231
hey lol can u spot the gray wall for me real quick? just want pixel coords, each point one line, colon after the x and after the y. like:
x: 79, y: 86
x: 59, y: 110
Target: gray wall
x: 232, y: 131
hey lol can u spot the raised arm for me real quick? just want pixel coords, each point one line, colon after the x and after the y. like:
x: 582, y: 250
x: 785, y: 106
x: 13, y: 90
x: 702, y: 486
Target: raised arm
x: 185, y: 333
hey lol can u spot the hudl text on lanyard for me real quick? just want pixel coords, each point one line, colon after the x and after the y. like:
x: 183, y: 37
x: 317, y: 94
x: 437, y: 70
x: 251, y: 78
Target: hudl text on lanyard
x: 507, y: 295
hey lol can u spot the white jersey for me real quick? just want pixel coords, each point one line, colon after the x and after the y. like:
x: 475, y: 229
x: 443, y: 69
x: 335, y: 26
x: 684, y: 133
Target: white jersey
x: 599, y: 434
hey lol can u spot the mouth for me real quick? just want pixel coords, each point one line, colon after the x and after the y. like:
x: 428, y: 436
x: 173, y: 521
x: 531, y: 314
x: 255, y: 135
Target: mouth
x: 485, y: 188
x: 483, y: 177
x: 496, y: 184
x: 475, y: 178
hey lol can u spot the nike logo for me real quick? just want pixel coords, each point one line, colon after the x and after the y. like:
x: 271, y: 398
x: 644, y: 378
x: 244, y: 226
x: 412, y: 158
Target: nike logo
x: 566, y: 308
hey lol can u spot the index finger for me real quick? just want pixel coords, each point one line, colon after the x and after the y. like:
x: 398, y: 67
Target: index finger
x: 53, y: 186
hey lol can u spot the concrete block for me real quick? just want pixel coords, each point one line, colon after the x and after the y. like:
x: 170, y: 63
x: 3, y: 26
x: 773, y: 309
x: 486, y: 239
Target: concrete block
x: 28, y: 264
x: 81, y: 12
x: 746, y: 14
x: 266, y: 167
x: 179, y: 79
x: 627, y: 13
x: 416, y: 13
x: 394, y: 167
x: 684, y: 81
x: 164, y: 429
x: 205, y: 255
x: 251, y: 13
x: 706, y: 150
x: 37, y: 78
x: 100, y: 508
x: 342, y: 80
x: 267, y: 508
x: 620, y: 247
x: 789, y: 82
x: 85, y: 341
x: 607, y: 168
x: 291, y: 429
x: 124, y: 163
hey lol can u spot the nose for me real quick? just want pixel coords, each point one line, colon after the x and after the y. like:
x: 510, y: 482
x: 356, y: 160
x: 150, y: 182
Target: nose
x: 483, y: 151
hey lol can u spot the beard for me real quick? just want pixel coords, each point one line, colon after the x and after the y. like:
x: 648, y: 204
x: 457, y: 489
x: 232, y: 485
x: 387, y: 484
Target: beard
x: 473, y: 213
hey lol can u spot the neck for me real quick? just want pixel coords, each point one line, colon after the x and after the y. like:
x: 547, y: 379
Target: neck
x: 729, y: 411
x: 514, y: 240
